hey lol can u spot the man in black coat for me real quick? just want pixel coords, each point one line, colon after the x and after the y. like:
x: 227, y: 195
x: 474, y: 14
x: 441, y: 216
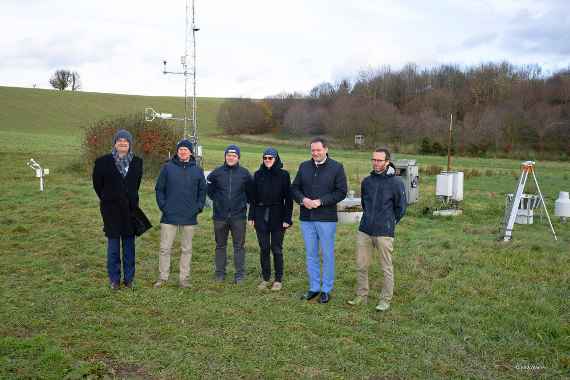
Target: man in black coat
x: 180, y: 195
x: 384, y: 203
x: 270, y: 213
x: 116, y: 180
x: 229, y: 187
x: 319, y: 185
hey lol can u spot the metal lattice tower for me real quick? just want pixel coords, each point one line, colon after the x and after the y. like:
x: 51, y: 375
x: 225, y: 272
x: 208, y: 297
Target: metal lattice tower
x: 188, y: 62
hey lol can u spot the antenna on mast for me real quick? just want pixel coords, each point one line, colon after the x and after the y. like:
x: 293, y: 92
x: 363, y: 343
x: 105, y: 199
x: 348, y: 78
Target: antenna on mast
x: 188, y: 63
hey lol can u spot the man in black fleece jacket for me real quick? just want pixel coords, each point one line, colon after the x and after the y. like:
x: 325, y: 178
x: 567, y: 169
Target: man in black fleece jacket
x: 229, y: 187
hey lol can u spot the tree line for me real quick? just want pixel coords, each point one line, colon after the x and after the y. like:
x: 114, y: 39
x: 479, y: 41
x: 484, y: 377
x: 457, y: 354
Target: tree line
x: 498, y: 108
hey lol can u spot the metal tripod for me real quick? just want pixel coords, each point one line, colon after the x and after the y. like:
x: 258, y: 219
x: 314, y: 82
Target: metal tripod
x: 511, y: 211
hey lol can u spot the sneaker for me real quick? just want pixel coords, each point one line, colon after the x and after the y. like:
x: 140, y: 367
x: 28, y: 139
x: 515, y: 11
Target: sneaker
x: 128, y: 285
x: 277, y: 286
x: 219, y: 279
x: 159, y: 283
x: 184, y: 284
x: 263, y: 285
x: 358, y: 300
x: 115, y: 286
x: 383, y: 306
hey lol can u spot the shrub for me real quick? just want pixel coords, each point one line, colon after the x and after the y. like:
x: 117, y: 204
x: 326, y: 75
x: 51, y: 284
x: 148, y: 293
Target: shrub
x: 153, y: 141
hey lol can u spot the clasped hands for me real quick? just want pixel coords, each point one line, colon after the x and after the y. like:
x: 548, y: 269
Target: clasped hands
x: 311, y: 203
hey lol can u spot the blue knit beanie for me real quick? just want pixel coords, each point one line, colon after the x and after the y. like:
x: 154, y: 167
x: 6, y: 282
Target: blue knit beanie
x: 270, y: 152
x: 232, y: 149
x: 123, y: 134
x: 186, y: 144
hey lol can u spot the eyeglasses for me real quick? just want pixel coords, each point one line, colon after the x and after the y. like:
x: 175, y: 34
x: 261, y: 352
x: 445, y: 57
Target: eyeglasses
x: 375, y: 160
x: 268, y: 158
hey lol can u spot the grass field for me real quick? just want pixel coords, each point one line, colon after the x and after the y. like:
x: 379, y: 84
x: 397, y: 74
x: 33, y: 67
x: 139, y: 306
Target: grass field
x: 465, y: 305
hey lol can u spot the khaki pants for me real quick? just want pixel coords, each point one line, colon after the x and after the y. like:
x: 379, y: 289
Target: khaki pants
x: 167, y: 236
x: 365, y: 245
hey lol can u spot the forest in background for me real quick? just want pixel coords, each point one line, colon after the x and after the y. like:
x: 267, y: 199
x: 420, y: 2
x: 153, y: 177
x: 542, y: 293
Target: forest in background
x: 499, y: 109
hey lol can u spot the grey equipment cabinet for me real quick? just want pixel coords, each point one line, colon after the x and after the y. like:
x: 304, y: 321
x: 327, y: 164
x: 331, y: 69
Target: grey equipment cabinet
x: 408, y: 171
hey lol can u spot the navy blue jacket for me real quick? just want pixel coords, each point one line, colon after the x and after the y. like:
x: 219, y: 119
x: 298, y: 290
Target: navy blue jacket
x: 180, y: 192
x: 229, y: 188
x: 384, y: 203
x: 326, y: 182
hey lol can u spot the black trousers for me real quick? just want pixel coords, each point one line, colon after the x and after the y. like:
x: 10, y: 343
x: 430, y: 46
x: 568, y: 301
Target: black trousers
x: 237, y: 227
x: 271, y: 241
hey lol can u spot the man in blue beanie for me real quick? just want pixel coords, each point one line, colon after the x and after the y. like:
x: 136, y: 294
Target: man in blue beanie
x: 229, y: 187
x: 180, y: 195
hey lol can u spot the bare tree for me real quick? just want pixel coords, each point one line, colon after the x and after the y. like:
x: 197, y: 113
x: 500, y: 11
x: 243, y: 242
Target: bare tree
x: 75, y: 81
x: 61, y: 79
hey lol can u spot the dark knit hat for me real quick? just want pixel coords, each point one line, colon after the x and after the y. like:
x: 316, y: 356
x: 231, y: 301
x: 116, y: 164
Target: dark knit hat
x: 270, y: 152
x: 186, y: 144
x: 232, y: 149
x: 123, y: 134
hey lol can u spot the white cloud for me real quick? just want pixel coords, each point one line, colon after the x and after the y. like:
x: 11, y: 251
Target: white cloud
x: 259, y: 48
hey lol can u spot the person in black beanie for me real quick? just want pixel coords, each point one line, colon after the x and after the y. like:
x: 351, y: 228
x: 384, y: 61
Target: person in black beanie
x: 229, y: 188
x: 180, y: 195
x: 116, y: 180
x: 270, y: 213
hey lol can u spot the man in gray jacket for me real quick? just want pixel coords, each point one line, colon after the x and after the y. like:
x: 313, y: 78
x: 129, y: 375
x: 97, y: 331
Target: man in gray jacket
x: 180, y: 195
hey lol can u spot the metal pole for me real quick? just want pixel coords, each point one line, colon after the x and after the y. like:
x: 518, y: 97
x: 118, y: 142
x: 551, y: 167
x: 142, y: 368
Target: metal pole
x: 544, y: 205
x: 185, y: 67
x: 194, y: 116
x: 449, y: 144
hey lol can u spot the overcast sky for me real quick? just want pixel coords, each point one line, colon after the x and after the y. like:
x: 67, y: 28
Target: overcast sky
x: 256, y: 48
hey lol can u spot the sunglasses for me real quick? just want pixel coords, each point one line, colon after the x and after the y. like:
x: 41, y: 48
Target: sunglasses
x: 268, y: 158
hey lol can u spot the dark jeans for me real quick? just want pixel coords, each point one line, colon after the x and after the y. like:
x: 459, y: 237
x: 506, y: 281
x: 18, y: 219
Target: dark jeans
x: 221, y: 230
x: 271, y: 241
x: 114, y: 259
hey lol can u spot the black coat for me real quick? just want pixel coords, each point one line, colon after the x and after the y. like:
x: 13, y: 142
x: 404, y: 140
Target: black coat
x: 271, y: 203
x: 326, y: 182
x: 229, y: 188
x: 118, y: 196
x: 384, y: 203
x: 180, y: 192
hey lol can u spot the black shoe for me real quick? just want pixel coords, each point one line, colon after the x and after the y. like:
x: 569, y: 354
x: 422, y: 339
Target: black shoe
x: 325, y: 297
x: 115, y: 286
x: 309, y: 295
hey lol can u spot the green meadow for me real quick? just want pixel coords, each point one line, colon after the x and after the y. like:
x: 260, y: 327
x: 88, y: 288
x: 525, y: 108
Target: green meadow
x: 466, y: 306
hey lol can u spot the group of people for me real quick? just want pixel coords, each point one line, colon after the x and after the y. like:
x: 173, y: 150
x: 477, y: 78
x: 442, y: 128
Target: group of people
x: 181, y: 189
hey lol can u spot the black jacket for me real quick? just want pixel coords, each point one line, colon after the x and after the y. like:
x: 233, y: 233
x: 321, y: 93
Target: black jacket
x: 229, y: 188
x: 384, y: 203
x: 271, y: 202
x: 180, y: 192
x: 118, y: 196
x: 326, y: 182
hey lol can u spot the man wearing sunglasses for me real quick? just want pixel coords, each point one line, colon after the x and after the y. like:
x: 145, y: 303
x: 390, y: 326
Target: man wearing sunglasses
x: 319, y: 185
x: 384, y: 204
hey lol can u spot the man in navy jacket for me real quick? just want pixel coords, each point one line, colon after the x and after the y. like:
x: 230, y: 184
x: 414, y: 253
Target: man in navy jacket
x: 384, y: 203
x: 180, y: 195
x: 319, y: 185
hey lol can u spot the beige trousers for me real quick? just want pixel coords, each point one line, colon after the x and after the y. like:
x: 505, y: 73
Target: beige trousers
x: 167, y: 236
x: 365, y: 245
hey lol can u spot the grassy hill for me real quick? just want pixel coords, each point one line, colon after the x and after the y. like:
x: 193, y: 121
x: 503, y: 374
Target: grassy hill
x: 54, y: 112
x: 465, y: 305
